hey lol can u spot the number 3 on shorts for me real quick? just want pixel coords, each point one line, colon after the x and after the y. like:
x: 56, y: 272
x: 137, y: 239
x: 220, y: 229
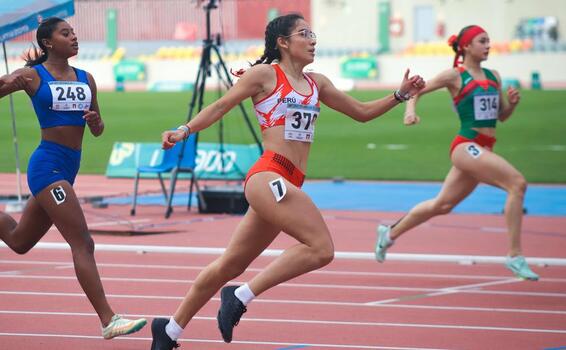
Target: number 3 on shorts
x: 278, y: 188
x: 474, y: 151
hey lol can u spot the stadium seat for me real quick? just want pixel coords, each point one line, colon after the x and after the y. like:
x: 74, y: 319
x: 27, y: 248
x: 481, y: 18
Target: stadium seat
x: 170, y: 164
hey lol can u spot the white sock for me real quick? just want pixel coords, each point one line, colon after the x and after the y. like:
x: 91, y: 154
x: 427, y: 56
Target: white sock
x: 388, y: 235
x: 245, y: 294
x: 173, y: 330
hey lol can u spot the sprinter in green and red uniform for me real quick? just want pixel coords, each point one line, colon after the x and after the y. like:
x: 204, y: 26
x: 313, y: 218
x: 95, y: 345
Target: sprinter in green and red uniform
x: 479, y: 102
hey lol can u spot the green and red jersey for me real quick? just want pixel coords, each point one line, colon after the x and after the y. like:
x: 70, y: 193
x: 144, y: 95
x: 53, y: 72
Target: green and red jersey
x: 477, y: 102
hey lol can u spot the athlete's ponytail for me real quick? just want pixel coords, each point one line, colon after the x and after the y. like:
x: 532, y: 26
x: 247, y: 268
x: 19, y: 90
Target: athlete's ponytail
x: 45, y: 30
x: 464, y: 38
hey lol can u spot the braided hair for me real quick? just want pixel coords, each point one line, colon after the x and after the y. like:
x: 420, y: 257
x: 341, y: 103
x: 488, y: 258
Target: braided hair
x: 44, y: 31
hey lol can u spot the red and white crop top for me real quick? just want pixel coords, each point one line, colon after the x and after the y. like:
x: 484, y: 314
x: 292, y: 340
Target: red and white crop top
x: 285, y: 106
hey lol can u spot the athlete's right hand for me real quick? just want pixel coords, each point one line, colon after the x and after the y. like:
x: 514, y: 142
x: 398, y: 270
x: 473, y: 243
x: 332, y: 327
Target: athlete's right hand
x: 170, y: 137
x: 411, y: 119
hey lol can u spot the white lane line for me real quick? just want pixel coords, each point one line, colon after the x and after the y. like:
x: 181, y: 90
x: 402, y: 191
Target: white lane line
x: 300, y: 302
x: 276, y: 252
x: 193, y: 340
x: 444, y: 291
x: 296, y: 285
x: 341, y: 323
x: 251, y: 269
x: 108, y: 223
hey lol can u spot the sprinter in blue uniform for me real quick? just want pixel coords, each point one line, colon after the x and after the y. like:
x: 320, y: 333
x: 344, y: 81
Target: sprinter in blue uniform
x: 64, y: 99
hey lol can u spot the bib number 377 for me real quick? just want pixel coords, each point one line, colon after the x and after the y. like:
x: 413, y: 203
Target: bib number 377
x: 299, y: 122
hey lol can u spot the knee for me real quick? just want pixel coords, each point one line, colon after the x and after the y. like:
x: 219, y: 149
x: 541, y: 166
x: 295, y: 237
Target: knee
x: 83, y: 247
x: 17, y: 245
x: 323, y: 254
x: 7, y: 223
x: 230, y: 269
x: 443, y: 208
x: 518, y: 186
x: 21, y: 249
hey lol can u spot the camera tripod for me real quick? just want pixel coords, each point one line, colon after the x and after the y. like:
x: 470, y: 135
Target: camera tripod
x: 209, y: 47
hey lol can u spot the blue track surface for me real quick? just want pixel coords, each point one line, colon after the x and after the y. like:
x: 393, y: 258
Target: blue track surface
x: 546, y: 200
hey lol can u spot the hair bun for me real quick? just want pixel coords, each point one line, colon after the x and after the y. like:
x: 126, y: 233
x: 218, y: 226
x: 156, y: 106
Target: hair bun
x: 453, y: 38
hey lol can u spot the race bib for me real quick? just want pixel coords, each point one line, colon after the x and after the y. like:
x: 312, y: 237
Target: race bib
x: 70, y: 95
x: 299, y: 122
x: 474, y: 151
x: 486, y: 107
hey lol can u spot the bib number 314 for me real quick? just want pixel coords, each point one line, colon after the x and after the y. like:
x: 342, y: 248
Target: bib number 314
x: 486, y: 107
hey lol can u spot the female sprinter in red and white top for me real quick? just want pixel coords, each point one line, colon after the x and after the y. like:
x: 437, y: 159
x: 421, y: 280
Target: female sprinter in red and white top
x: 287, y: 105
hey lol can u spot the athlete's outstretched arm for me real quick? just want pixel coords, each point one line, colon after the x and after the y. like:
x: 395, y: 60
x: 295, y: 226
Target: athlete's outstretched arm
x: 92, y: 115
x: 19, y: 79
x: 445, y: 79
x: 363, y: 111
x: 250, y: 84
x: 507, y: 107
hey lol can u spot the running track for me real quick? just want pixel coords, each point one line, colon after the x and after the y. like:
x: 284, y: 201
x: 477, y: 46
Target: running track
x: 350, y: 304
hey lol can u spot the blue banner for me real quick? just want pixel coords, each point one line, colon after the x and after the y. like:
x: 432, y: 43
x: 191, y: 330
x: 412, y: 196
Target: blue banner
x: 21, y: 16
x: 231, y: 163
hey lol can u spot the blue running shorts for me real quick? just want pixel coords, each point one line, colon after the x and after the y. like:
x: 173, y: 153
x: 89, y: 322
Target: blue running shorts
x: 52, y: 162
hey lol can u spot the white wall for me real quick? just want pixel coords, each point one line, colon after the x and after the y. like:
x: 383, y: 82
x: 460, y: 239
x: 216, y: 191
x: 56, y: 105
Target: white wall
x: 354, y: 23
x: 345, y: 23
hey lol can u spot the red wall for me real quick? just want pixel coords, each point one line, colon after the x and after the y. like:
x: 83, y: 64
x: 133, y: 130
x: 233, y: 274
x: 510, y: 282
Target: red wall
x: 252, y: 14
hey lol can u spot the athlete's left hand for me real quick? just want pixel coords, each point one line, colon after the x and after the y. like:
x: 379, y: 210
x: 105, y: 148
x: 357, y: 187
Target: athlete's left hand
x: 411, y: 86
x: 92, y: 118
x: 513, y: 96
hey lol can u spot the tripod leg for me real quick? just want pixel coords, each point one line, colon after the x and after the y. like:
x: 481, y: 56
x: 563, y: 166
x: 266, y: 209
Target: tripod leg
x: 169, y: 209
x: 191, y: 190
x: 242, y: 109
x: 162, y: 186
x: 134, y: 201
x: 197, y: 97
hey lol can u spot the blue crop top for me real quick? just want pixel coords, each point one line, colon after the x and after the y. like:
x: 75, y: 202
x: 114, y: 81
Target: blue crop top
x: 60, y: 103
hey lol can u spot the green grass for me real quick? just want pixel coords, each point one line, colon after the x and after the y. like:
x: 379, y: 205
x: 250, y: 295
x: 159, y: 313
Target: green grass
x: 533, y: 140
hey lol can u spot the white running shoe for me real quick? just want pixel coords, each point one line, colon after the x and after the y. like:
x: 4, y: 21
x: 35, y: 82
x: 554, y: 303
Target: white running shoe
x: 122, y: 326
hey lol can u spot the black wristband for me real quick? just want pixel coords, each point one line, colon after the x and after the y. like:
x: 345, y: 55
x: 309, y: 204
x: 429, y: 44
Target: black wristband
x: 401, y: 97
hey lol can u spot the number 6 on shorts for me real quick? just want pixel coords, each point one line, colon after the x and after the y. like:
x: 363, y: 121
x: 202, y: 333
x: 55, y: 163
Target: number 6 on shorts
x: 278, y: 188
x: 58, y: 194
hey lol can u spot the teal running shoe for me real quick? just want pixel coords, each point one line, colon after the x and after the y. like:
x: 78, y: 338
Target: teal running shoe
x: 518, y: 265
x: 122, y: 326
x: 382, y: 242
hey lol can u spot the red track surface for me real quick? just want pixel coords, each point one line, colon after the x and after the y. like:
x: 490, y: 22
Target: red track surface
x: 350, y: 304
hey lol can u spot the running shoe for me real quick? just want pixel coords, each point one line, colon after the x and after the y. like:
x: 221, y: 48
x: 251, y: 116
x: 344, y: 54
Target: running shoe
x: 122, y: 326
x: 231, y: 310
x: 161, y: 340
x: 518, y: 265
x: 382, y: 242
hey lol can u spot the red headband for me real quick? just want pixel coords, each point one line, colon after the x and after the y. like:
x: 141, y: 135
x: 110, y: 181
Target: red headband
x: 469, y: 35
x: 465, y: 39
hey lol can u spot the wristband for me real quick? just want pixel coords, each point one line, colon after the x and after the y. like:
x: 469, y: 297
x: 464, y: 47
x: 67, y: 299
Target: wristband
x: 186, y: 130
x: 401, y: 97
